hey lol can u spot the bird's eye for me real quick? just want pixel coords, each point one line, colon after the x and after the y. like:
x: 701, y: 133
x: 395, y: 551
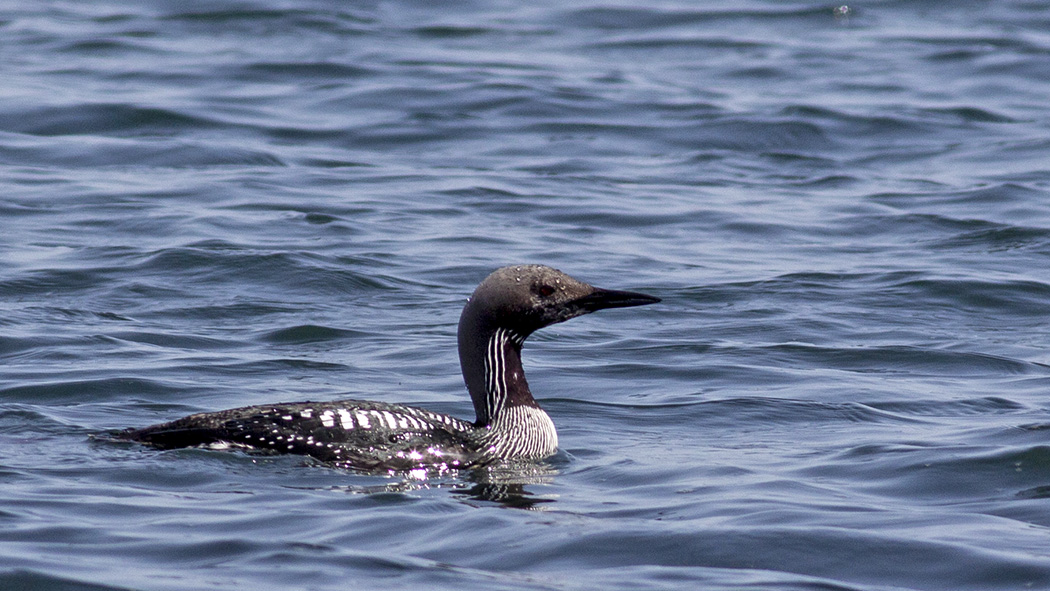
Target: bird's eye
x: 546, y: 290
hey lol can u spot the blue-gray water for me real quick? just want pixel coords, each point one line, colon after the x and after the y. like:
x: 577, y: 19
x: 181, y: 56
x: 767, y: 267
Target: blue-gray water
x: 845, y: 211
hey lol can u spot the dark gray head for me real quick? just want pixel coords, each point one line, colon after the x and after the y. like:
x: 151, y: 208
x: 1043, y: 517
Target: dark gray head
x: 508, y: 306
x: 525, y: 298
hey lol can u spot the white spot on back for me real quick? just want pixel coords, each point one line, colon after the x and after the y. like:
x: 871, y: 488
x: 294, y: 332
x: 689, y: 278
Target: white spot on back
x: 345, y: 419
x: 378, y: 418
x: 362, y: 419
x: 326, y: 419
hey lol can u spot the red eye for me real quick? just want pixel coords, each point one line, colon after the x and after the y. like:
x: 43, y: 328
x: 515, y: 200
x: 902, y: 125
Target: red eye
x: 546, y: 290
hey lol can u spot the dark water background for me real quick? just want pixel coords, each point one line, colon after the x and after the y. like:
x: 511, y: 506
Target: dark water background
x: 846, y: 211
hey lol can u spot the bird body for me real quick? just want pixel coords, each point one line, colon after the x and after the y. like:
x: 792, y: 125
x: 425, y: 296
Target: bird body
x: 504, y: 310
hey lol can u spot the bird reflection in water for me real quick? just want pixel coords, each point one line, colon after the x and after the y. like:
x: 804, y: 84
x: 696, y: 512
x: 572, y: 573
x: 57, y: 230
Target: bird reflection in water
x: 504, y: 484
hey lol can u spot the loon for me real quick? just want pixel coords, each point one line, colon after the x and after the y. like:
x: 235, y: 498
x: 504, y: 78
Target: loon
x: 507, y: 307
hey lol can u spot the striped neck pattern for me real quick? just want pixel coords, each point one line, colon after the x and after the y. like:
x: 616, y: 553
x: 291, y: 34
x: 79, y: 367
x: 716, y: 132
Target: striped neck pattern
x: 504, y: 376
x: 514, y: 425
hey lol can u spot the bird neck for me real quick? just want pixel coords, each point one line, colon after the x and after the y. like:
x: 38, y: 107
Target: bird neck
x: 491, y: 364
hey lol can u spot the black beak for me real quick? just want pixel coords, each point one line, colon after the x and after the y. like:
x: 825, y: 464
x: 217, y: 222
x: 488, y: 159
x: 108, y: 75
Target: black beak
x: 601, y: 299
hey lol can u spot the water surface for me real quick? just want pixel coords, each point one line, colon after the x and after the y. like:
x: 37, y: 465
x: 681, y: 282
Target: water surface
x: 846, y: 212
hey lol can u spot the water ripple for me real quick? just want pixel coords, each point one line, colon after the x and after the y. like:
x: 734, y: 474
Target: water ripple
x: 844, y: 209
